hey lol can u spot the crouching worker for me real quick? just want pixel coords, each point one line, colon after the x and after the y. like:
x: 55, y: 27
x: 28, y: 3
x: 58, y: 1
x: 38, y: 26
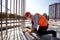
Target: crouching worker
x: 40, y: 20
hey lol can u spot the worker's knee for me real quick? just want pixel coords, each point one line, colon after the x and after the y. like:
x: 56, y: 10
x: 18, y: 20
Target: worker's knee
x: 53, y: 31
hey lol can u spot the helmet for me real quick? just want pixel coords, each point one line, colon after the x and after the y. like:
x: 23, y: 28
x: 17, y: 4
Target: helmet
x: 27, y: 14
x: 38, y: 13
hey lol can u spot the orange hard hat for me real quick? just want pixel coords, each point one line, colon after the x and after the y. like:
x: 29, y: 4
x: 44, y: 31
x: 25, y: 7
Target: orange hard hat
x: 27, y: 14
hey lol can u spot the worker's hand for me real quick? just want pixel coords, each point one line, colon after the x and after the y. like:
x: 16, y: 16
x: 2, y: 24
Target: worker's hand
x: 28, y: 30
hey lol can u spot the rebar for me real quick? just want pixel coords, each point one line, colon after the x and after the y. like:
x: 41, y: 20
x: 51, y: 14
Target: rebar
x: 6, y: 17
x: 1, y: 21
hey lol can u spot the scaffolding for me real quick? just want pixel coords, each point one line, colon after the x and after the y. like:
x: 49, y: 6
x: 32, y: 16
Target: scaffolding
x: 10, y: 18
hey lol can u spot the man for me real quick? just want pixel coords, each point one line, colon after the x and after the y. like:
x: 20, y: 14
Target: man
x: 40, y: 20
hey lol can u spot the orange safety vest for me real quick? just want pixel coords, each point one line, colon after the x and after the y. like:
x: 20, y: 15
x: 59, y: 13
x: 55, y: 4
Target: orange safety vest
x: 42, y: 21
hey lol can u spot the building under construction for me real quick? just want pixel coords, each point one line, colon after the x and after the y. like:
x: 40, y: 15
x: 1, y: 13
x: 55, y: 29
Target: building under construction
x: 54, y: 11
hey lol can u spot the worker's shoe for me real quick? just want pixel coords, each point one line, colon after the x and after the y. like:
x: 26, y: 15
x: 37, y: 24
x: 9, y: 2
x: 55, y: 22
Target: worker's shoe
x: 54, y: 34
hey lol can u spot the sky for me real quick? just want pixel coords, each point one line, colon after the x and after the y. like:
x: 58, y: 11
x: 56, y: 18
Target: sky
x: 34, y: 6
x: 40, y: 6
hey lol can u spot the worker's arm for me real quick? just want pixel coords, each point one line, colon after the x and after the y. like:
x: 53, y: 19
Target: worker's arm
x: 29, y: 30
x: 35, y: 21
x: 34, y: 26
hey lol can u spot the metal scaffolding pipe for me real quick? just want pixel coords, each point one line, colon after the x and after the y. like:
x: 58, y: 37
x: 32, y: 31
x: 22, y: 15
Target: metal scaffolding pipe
x: 22, y: 7
x: 10, y: 20
x: 14, y: 18
x: 16, y: 8
x: 6, y: 10
x: 19, y: 20
x: 19, y: 7
x: 1, y: 20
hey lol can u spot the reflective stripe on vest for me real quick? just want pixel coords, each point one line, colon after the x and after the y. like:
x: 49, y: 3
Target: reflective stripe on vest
x: 43, y: 22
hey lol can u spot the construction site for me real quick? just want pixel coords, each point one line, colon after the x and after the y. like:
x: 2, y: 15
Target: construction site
x: 13, y: 22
